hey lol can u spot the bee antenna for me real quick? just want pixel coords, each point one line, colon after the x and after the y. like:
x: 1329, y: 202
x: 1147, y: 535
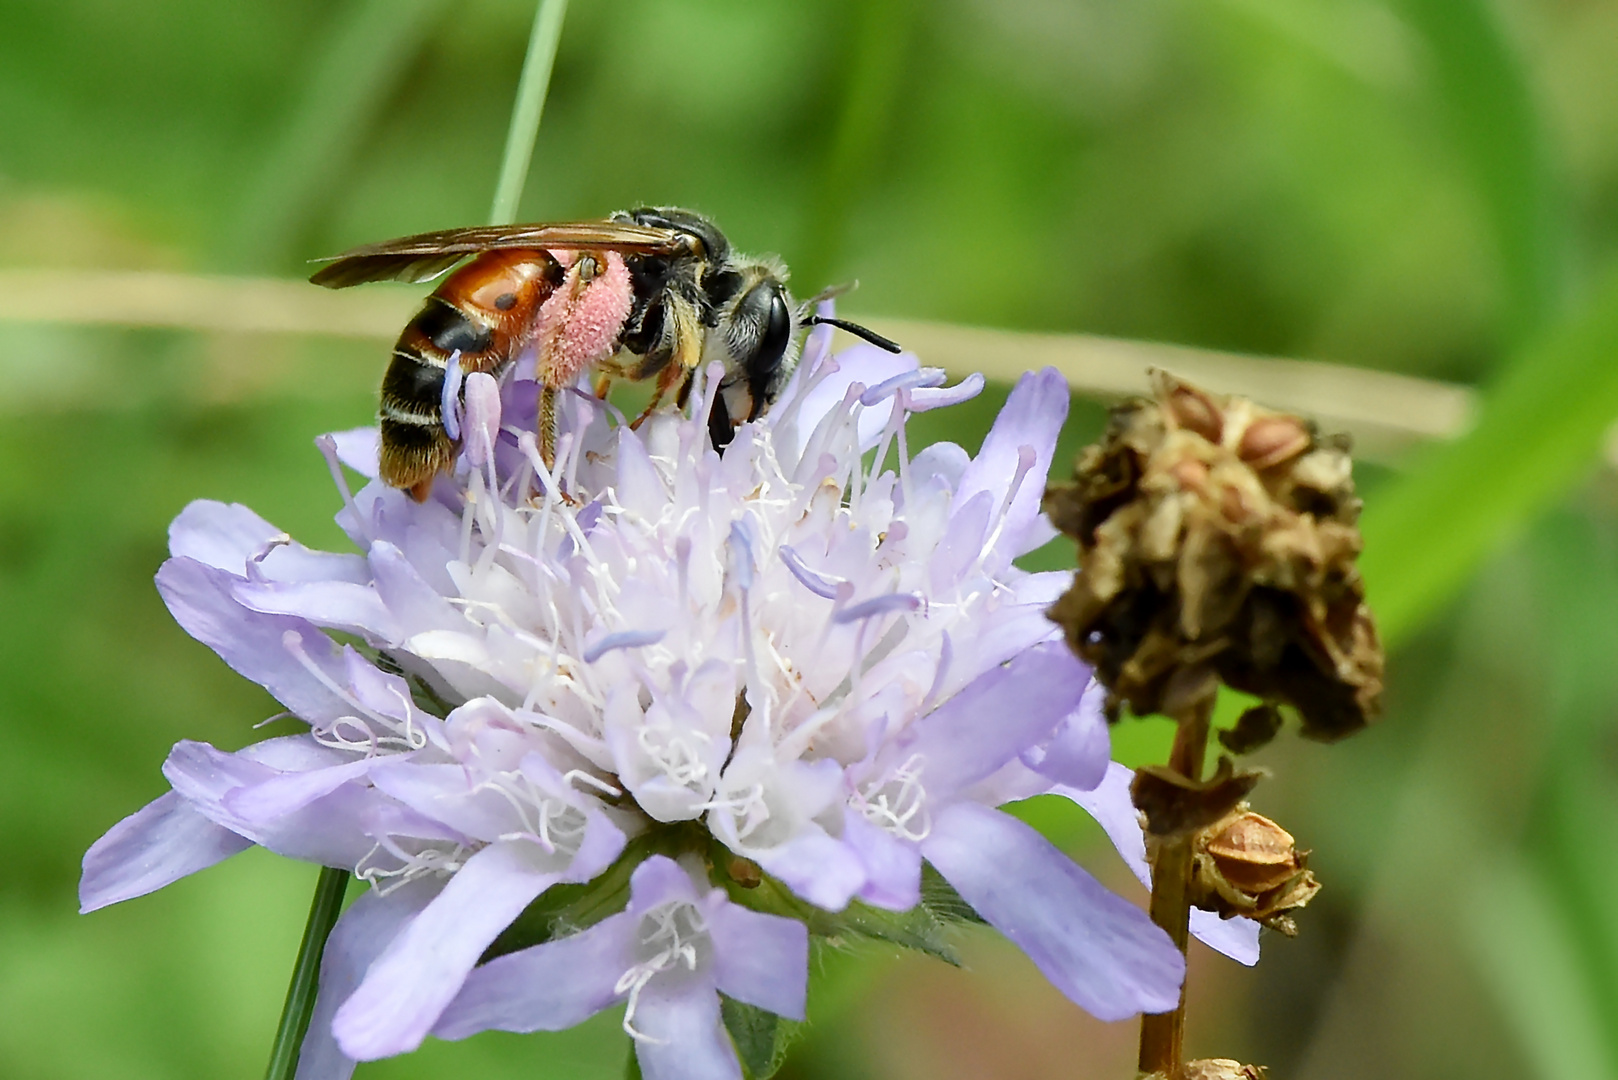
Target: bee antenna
x: 858, y: 331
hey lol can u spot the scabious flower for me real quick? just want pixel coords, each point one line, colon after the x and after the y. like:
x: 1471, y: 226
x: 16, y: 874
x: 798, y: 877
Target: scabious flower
x: 648, y: 671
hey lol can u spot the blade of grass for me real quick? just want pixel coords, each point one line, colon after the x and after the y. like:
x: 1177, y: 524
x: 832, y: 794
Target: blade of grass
x: 1541, y: 426
x: 881, y: 41
x: 1530, y: 963
x: 1576, y: 573
x: 532, y: 88
x: 1497, y: 131
x: 368, y: 52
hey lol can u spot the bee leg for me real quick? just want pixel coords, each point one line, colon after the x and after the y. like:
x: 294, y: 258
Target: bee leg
x: 547, y: 425
x: 603, y: 385
x: 665, y: 383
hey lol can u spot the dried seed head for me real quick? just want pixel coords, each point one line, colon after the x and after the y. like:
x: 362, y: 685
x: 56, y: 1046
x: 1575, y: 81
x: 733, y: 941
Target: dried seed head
x: 1213, y: 531
x: 1253, y: 852
x: 1246, y: 864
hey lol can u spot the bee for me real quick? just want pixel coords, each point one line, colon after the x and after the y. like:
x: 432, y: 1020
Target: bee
x: 650, y: 293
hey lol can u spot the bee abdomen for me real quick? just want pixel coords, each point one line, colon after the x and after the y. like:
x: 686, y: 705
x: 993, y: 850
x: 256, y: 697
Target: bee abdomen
x: 450, y: 329
x: 415, y: 446
x: 413, y: 388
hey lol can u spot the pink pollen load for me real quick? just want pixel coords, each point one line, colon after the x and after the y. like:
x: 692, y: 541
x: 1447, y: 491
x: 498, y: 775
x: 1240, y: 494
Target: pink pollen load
x: 580, y: 322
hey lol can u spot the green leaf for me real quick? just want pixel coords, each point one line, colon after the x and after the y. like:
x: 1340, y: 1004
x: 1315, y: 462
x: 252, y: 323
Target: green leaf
x: 761, y: 1037
x: 1540, y: 428
x: 1497, y: 133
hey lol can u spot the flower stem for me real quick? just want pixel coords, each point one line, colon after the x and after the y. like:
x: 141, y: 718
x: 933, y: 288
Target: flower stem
x: 531, y: 90
x: 323, y: 912
x: 1162, y: 1035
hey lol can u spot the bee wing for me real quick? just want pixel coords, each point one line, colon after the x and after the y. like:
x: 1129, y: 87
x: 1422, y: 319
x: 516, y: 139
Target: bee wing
x: 427, y: 255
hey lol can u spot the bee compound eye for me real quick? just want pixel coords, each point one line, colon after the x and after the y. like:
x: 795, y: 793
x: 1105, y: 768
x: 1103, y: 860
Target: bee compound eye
x: 777, y: 326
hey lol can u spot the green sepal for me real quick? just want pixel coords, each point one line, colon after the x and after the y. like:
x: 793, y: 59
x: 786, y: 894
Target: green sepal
x: 762, y: 1038
x: 939, y: 897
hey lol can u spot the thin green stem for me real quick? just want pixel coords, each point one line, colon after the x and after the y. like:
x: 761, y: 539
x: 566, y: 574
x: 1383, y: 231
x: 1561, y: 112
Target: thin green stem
x: 531, y: 91
x: 300, y: 1003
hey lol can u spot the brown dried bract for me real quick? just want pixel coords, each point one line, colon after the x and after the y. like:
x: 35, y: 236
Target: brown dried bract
x: 1254, y: 728
x: 1175, y: 804
x: 1213, y: 531
x: 1248, y: 865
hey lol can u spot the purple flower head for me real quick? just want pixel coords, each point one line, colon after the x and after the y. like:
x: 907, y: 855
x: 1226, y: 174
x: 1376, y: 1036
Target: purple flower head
x: 812, y: 653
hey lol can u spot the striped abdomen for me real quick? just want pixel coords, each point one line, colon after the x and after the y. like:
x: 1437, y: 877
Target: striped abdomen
x: 485, y: 312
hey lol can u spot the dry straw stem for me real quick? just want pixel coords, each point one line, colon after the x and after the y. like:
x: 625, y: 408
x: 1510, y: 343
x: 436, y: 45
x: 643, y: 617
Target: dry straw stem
x: 1384, y: 412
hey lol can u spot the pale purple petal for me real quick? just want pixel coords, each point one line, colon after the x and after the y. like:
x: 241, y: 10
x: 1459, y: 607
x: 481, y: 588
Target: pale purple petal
x: 946, y: 461
x: 254, y: 644
x: 1109, y: 803
x: 892, y: 867
x: 1032, y: 417
x: 1095, y: 947
x: 360, y: 449
x: 278, y: 796
x: 337, y: 605
x: 221, y: 535
x: 684, y: 1038
x: 294, y: 753
x: 407, y: 988
x: 760, y: 959
x: 288, y: 561
x: 658, y: 880
x: 325, y: 831
x: 413, y: 602
x: 1236, y: 938
x: 1026, y: 699
x: 359, y: 937
x: 158, y: 844
x: 1078, y: 754
x: 962, y: 544
x: 548, y: 987
x: 448, y: 793
x: 824, y: 871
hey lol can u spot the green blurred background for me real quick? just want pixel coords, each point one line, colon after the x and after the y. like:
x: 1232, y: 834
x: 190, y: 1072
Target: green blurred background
x: 1421, y: 186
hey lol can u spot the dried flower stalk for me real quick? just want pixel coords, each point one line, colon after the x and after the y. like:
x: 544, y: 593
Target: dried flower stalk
x: 1217, y: 544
